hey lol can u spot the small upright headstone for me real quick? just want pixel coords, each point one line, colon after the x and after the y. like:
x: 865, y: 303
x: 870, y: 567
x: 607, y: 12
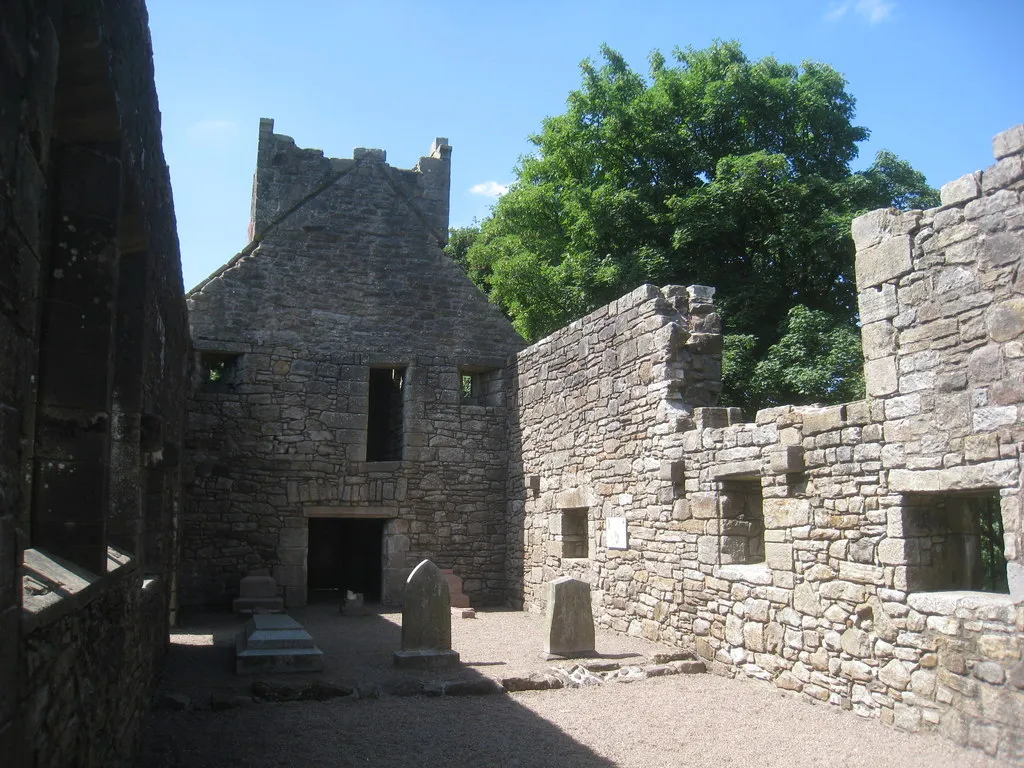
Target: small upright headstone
x: 426, y: 621
x: 352, y: 604
x: 258, y: 594
x: 459, y: 600
x: 570, y: 623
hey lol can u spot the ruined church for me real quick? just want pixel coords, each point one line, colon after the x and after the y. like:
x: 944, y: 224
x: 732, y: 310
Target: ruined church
x: 338, y: 402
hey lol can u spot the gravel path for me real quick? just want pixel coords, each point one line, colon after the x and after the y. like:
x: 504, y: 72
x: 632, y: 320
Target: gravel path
x: 684, y: 720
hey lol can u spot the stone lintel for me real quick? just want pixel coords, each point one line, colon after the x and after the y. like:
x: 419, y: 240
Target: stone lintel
x: 747, y: 469
x: 993, y: 474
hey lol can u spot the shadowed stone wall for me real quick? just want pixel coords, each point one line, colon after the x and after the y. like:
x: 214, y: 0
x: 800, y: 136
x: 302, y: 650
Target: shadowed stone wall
x: 866, y: 590
x: 93, y: 376
x: 344, y: 282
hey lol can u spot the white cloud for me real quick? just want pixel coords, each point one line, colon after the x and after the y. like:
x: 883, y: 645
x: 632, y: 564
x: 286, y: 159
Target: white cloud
x: 489, y: 189
x: 872, y: 11
x: 211, y: 131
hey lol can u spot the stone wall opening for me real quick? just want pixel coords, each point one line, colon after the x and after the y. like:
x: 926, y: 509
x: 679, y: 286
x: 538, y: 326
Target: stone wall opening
x: 220, y: 370
x: 345, y: 554
x: 742, y: 521
x: 479, y: 386
x: 385, y: 415
x: 574, y: 537
x: 954, y: 541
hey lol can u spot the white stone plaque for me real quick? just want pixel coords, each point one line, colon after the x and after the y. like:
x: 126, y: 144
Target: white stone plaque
x: 615, y: 533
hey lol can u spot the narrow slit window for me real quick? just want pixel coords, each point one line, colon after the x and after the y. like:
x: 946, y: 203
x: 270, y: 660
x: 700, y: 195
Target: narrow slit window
x: 385, y: 438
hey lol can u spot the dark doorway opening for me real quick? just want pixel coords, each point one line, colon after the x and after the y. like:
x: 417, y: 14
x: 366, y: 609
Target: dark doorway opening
x: 384, y: 440
x: 345, y: 554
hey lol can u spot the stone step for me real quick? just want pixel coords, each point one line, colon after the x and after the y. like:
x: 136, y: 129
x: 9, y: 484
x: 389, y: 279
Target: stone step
x: 249, y: 660
x: 263, y: 639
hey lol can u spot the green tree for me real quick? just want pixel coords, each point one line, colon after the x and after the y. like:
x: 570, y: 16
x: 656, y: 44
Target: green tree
x: 714, y: 169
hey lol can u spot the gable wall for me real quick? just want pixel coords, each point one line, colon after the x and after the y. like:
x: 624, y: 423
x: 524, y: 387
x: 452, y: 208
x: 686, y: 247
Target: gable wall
x: 347, y: 273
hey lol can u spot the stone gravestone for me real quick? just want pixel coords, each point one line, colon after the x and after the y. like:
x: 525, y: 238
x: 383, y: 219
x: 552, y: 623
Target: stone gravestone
x: 459, y: 600
x: 570, y: 622
x: 352, y: 604
x: 258, y: 594
x: 426, y: 621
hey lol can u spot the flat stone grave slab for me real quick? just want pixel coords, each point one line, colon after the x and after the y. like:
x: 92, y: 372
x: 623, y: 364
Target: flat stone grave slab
x: 276, y: 643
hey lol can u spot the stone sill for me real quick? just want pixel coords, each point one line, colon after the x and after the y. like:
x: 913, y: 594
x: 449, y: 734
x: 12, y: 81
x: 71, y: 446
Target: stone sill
x: 750, y: 573
x: 576, y: 560
x: 367, y: 467
x: 961, y: 604
x: 53, y: 587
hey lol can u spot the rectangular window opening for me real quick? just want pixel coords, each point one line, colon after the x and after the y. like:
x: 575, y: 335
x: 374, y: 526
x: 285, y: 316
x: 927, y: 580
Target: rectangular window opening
x: 742, y: 523
x: 479, y: 385
x: 220, y: 370
x: 575, y: 536
x: 385, y: 439
x: 954, y: 541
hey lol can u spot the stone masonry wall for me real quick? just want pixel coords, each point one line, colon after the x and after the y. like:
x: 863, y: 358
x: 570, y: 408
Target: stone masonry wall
x: 93, y: 374
x: 598, y: 407
x: 865, y: 593
x: 345, y: 274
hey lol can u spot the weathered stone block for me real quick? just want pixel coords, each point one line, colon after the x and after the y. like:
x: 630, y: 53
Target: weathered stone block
x: 880, y: 376
x: 995, y: 474
x: 786, y: 513
x: 856, y: 642
x: 877, y: 303
x: 779, y: 556
x: 886, y: 261
x: 1005, y: 320
x: 786, y: 459
x: 967, y: 187
x: 1008, y: 142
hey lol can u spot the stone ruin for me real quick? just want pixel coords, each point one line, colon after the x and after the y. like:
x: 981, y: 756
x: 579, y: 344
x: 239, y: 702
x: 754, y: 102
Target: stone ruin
x: 868, y: 555
x: 357, y: 406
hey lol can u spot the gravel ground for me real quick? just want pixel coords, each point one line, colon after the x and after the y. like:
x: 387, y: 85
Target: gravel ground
x: 684, y: 720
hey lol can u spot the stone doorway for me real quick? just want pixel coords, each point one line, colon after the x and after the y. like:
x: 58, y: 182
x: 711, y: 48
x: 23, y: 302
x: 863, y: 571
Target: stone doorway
x: 345, y: 554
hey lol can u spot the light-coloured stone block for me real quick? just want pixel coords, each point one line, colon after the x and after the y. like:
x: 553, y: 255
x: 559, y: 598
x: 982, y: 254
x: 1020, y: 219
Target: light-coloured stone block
x: 786, y: 459
x: 877, y: 303
x: 994, y: 474
x: 880, y: 376
x: 1008, y: 142
x: 886, y: 261
x: 779, y: 556
x: 1005, y: 320
x: 967, y: 187
x: 786, y: 513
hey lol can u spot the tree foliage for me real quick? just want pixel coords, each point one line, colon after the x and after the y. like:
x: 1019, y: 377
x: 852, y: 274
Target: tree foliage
x: 713, y: 169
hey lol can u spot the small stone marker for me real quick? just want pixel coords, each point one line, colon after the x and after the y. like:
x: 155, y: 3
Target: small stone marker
x: 459, y: 600
x: 258, y: 594
x: 426, y: 621
x: 352, y: 604
x: 570, y: 622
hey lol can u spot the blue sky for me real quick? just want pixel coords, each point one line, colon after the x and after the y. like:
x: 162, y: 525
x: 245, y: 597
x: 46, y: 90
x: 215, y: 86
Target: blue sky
x: 934, y: 81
